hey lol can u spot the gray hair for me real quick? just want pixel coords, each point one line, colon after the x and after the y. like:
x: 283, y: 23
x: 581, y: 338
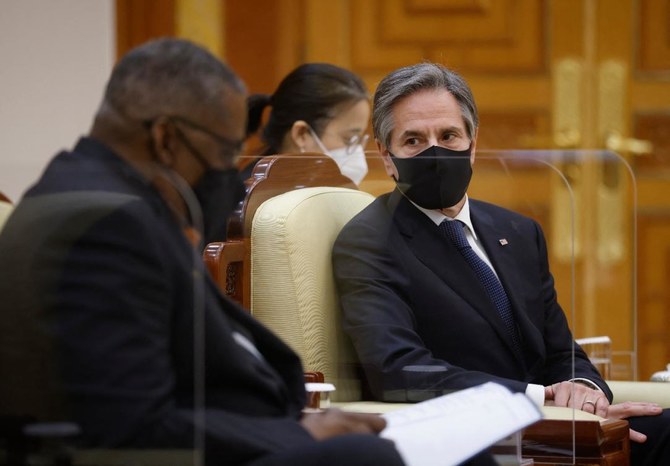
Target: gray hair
x: 408, y: 80
x: 169, y: 77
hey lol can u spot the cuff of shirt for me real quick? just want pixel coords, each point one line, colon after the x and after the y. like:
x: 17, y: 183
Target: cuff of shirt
x: 586, y: 382
x: 536, y: 393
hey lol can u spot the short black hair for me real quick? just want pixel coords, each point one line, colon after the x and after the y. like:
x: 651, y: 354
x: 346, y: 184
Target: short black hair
x: 169, y: 76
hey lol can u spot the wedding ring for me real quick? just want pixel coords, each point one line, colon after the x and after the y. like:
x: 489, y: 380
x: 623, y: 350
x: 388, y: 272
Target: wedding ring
x: 589, y: 402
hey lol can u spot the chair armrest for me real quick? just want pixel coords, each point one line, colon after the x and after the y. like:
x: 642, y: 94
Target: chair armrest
x: 626, y: 390
x: 226, y: 262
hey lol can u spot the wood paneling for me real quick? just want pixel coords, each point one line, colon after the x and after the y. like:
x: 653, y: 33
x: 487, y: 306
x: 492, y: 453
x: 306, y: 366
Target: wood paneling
x: 653, y: 291
x: 252, y: 45
x: 140, y: 20
x: 507, y: 50
x: 653, y: 127
x: 473, y: 37
x: 653, y: 44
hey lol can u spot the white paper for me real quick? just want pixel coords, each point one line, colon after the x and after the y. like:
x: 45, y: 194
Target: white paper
x: 447, y: 430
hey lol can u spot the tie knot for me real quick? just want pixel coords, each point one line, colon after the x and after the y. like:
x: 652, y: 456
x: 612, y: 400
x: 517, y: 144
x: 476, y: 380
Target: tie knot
x: 453, y: 229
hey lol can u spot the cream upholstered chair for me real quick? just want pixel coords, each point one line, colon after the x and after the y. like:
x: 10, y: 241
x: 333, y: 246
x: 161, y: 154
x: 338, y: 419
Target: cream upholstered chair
x: 280, y: 257
x: 293, y: 293
x: 5, y: 209
x: 292, y: 286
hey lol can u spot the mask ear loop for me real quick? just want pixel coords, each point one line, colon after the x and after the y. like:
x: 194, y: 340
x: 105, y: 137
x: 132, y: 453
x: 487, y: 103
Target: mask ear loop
x: 318, y: 140
x: 190, y: 200
x: 196, y: 153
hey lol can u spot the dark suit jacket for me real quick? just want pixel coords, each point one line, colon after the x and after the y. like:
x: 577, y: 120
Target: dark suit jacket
x: 409, y: 298
x: 100, y: 294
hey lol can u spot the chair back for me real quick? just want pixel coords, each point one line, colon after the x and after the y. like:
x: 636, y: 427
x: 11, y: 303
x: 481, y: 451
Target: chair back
x: 229, y: 261
x: 292, y: 285
x: 6, y: 208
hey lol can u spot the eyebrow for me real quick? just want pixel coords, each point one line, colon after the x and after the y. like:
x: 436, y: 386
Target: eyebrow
x: 413, y: 132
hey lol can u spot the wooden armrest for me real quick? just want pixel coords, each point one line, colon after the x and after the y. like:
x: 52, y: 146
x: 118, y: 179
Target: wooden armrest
x: 314, y: 377
x: 226, y: 262
x: 596, y: 441
x: 314, y: 399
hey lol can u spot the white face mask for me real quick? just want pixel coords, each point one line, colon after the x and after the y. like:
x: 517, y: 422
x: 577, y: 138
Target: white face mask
x: 352, y: 163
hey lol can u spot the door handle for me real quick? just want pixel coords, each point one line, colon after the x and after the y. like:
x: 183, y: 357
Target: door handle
x: 614, y: 141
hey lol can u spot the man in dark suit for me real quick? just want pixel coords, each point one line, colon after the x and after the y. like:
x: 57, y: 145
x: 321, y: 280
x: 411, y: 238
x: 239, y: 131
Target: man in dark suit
x: 108, y: 318
x: 441, y: 292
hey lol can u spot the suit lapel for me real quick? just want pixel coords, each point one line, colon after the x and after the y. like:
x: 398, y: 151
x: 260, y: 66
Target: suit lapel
x: 441, y: 257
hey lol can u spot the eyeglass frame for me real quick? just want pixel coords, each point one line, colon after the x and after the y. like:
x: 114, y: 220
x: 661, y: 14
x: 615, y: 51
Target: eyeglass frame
x: 234, y: 145
x: 350, y: 145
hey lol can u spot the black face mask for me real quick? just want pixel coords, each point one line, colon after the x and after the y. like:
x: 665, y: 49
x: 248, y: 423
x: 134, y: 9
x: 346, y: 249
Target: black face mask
x: 219, y: 192
x: 435, y: 178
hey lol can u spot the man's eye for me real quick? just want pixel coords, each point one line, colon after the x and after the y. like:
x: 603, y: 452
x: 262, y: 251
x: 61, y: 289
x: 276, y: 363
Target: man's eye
x: 411, y: 141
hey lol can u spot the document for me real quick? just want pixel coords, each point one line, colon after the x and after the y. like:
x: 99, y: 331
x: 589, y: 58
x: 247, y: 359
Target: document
x: 448, y: 430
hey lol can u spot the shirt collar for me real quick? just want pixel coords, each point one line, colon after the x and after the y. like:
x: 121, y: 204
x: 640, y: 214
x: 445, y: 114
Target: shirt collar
x: 438, y: 217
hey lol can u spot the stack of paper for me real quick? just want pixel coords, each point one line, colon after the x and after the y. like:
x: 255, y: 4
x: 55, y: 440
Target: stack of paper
x: 450, y: 429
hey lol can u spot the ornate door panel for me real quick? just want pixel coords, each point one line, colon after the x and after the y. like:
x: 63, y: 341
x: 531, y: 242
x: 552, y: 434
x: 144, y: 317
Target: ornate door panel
x: 547, y: 74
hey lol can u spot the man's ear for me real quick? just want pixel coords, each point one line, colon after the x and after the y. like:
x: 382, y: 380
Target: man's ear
x: 389, y: 166
x: 299, y: 134
x: 473, y: 147
x: 163, y: 138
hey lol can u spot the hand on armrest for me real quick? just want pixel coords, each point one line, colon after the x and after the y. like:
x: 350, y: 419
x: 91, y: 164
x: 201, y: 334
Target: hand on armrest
x: 631, y: 409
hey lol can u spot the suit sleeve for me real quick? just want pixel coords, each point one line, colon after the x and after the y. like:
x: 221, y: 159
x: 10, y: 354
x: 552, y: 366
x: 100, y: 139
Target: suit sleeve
x: 378, y: 316
x: 113, y: 320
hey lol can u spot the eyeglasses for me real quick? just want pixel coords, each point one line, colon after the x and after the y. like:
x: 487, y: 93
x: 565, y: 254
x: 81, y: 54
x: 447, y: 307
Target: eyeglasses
x: 230, y: 148
x: 354, y: 141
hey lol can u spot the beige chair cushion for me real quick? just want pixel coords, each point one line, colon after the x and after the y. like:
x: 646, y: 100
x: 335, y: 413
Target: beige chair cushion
x: 5, y: 210
x: 292, y: 286
x: 654, y: 392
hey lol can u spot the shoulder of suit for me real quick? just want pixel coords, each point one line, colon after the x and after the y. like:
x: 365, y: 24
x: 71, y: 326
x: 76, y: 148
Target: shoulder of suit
x: 498, y: 211
x: 371, y: 218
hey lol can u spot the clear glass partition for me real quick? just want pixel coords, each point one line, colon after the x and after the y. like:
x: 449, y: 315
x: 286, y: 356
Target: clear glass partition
x: 584, y: 202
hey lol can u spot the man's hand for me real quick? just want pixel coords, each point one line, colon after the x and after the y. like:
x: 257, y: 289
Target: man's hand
x: 631, y: 409
x: 334, y: 422
x: 578, y: 396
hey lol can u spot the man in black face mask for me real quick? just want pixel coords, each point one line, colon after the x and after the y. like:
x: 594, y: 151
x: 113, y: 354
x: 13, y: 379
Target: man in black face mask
x: 425, y: 279
x: 108, y: 319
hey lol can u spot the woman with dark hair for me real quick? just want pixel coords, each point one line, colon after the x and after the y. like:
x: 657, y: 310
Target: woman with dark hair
x: 318, y: 107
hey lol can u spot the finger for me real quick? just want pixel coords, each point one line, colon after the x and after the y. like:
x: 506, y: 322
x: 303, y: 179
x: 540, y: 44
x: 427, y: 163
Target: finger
x: 630, y: 408
x: 602, y: 407
x: 376, y: 423
x: 637, y: 437
x: 562, y: 393
x: 589, y: 406
x: 549, y: 392
x: 373, y: 422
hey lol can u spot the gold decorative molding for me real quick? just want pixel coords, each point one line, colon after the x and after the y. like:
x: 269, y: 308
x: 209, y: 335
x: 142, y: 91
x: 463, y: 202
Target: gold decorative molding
x: 472, y: 36
x: 201, y: 21
x: 567, y: 103
x: 566, y: 233
x: 652, y: 45
x: 612, y: 76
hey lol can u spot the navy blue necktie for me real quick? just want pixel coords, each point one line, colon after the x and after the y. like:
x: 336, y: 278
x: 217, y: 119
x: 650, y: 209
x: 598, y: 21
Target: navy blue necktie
x: 454, y: 231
